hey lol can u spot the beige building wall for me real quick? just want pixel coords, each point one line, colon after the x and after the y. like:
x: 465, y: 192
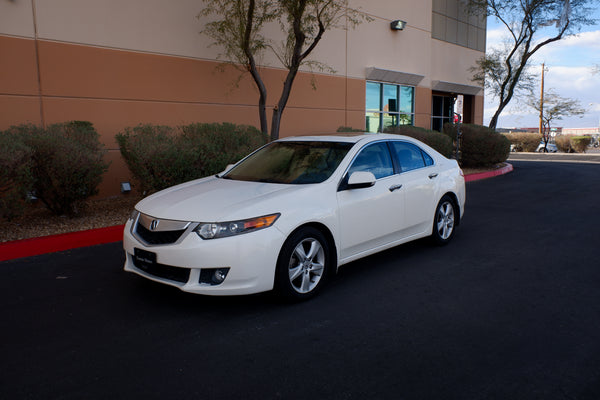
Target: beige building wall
x: 122, y: 63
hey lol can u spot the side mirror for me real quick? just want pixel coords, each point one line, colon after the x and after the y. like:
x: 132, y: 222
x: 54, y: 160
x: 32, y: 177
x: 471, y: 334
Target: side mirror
x: 361, y: 179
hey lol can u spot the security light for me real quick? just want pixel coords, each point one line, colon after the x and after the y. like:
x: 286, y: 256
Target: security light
x: 125, y: 187
x: 397, y: 25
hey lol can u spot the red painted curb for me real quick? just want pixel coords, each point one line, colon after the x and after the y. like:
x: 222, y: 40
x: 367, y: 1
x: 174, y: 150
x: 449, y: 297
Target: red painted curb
x: 489, y: 174
x: 111, y: 234
x: 65, y: 241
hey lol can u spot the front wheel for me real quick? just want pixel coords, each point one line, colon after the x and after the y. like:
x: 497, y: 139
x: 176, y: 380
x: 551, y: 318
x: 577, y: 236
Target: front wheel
x: 444, y: 221
x: 303, y: 264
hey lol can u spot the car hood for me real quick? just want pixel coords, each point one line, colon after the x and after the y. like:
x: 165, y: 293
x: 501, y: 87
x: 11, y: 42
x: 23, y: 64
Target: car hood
x: 215, y: 199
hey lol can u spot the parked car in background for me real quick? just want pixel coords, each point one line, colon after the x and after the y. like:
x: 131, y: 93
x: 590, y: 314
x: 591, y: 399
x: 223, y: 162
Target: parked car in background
x: 289, y: 214
x: 550, y: 148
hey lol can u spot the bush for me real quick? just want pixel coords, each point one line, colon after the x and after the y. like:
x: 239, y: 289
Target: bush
x: 437, y: 140
x: 563, y: 143
x: 162, y: 156
x: 480, y: 145
x: 524, y: 141
x: 67, y: 164
x: 348, y: 129
x: 580, y: 143
x: 218, y: 145
x: 15, y: 174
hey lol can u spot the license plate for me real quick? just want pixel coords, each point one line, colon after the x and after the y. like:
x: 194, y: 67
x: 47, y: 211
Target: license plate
x: 144, y: 259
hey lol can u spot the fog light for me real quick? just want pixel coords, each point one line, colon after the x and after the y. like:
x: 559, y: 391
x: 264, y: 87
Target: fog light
x: 220, y: 275
x: 213, y: 276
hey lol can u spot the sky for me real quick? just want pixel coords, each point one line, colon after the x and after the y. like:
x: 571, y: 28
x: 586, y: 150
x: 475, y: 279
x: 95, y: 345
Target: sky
x: 568, y: 73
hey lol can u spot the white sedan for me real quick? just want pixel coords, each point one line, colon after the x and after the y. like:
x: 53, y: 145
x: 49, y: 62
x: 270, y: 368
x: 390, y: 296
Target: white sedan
x: 289, y: 214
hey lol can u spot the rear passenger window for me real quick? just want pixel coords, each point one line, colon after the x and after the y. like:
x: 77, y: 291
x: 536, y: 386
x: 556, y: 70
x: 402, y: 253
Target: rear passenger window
x: 410, y: 156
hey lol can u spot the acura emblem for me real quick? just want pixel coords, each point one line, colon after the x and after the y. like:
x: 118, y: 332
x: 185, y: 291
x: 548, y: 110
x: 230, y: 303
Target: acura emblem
x: 154, y: 224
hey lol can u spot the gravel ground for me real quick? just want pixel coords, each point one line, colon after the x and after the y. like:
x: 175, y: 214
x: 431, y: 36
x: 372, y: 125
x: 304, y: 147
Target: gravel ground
x: 38, y: 221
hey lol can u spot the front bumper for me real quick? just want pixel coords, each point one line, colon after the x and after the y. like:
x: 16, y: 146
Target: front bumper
x: 251, y: 259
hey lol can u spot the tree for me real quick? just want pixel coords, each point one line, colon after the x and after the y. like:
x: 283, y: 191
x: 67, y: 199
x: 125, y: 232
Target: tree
x: 237, y: 27
x: 556, y: 108
x: 531, y: 25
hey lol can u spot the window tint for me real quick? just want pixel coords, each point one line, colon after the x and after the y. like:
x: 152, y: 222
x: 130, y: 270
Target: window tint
x: 374, y: 158
x: 291, y: 162
x: 410, y: 156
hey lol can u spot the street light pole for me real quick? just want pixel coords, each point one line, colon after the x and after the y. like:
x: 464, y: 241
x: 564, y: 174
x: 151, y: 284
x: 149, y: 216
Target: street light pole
x: 542, y: 105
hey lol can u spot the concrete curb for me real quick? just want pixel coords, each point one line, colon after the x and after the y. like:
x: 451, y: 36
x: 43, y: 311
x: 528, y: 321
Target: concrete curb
x: 111, y: 234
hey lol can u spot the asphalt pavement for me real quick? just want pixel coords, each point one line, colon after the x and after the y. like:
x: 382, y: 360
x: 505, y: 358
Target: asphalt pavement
x: 509, y: 310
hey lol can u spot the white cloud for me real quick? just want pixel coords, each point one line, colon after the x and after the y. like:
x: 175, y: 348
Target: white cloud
x: 569, y: 62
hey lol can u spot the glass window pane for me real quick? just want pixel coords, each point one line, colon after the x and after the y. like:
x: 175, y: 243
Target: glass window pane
x: 373, y: 100
x: 389, y: 120
x: 409, y: 156
x: 405, y: 119
x: 428, y: 159
x: 448, y: 106
x: 406, y: 99
x: 374, y: 158
x: 437, y: 106
x: 390, y: 98
x: 373, y: 120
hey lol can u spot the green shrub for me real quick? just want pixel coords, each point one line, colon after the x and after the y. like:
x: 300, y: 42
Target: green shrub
x: 524, y: 141
x: 15, y: 174
x: 437, y: 140
x: 580, y: 143
x: 68, y: 164
x: 153, y: 157
x: 480, y: 145
x: 563, y: 143
x: 348, y: 129
x: 161, y: 156
x: 218, y: 145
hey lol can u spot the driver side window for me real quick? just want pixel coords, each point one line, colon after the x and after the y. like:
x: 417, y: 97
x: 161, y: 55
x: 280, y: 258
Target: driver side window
x: 374, y: 158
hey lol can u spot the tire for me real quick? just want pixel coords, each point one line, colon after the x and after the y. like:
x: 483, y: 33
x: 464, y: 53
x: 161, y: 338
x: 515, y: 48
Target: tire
x: 303, y: 264
x: 444, y: 221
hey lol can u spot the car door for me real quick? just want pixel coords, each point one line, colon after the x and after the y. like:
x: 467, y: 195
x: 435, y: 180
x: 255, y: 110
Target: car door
x: 418, y: 178
x: 370, y: 217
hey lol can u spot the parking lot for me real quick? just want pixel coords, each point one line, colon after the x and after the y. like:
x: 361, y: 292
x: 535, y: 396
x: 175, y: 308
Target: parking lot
x: 509, y: 310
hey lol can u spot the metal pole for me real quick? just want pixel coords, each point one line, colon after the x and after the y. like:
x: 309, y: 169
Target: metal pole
x: 542, y: 105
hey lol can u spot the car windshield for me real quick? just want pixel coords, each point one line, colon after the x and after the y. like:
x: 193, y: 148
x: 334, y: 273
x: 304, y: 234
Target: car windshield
x: 299, y: 162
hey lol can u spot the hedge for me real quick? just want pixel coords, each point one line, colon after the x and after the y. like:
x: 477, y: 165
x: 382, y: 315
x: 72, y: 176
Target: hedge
x: 66, y: 163
x: 434, y: 139
x: 480, y: 145
x: 524, y: 141
x: 162, y: 156
x: 573, y: 144
x: 16, y: 179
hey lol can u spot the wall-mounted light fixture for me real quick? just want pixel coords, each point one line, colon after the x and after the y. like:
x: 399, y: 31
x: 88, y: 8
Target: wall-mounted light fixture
x: 397, y: 25
x: 125, y: 187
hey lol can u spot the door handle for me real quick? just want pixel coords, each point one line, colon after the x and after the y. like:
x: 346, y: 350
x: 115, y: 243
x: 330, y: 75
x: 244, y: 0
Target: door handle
x: 395, y: 187
x: 434, y: 175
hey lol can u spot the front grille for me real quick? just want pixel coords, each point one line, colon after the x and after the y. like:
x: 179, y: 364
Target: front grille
x: 163, y: 271
x: 158, y: 237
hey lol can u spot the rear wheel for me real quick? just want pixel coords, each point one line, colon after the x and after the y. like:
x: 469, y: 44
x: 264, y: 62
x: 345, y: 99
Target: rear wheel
x: 303, y: 264
x: 444, y: 221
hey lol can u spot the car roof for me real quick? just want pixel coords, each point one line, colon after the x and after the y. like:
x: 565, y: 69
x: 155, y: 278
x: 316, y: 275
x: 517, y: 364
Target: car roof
x: 347, y: 137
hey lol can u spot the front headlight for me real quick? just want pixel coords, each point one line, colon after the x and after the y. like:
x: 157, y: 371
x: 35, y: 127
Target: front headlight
x: 214, y: 230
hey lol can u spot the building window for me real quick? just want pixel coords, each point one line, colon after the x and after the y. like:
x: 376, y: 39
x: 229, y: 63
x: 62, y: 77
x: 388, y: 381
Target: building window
x: 388, y: 105
x: 441, y: 111
x: 452, y: 23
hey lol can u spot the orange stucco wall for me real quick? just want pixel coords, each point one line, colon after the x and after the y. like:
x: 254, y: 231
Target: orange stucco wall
x: 115, y: 89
